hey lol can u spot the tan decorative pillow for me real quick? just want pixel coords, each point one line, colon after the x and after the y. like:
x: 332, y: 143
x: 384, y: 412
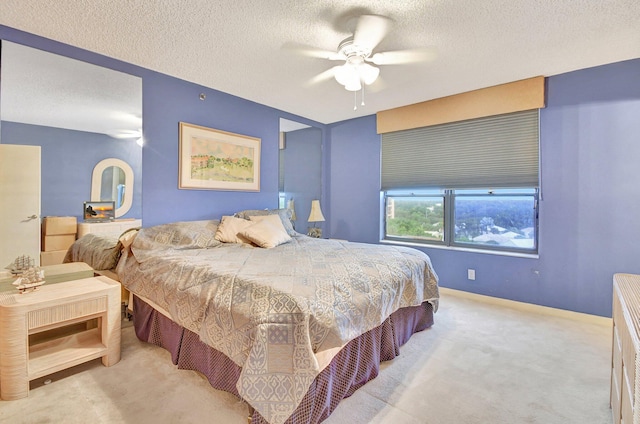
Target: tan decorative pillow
x: 229, y: 229
x: 271, y: 219
x: 266, y: 234
x: 284, y: 214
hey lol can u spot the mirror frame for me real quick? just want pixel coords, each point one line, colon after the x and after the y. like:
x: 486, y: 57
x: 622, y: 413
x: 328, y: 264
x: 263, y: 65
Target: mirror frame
x: 96, y: 183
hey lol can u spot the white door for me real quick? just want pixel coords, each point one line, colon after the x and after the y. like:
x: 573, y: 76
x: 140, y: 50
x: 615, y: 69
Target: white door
x: 19, y: 203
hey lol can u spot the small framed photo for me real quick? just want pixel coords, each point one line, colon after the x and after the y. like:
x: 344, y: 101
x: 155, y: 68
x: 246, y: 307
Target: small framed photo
x: 95, y: 211
x: 218, y: 160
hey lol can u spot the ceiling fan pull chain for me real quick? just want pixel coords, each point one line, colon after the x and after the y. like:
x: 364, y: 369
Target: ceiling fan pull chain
x: 355, y: 100
x: 362, y: 104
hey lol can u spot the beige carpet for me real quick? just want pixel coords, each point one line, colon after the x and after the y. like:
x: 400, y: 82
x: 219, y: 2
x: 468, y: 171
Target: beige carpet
x: 480, y: 363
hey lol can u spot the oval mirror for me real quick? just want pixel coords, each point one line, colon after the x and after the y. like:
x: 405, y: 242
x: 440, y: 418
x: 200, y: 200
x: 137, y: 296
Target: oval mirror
x: 112, y: 180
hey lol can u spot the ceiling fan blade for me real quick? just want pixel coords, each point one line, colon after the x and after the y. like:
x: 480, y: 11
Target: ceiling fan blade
x: 399, y: 57
x: 324, y: 76
x: 371, y: 29
x: 379, y: 85
x: 310, y: 51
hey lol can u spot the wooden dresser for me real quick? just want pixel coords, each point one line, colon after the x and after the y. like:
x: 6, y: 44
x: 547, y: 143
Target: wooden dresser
x: 625, y: 374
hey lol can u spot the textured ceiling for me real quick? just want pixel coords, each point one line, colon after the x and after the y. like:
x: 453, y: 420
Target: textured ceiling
x: 238, y: 46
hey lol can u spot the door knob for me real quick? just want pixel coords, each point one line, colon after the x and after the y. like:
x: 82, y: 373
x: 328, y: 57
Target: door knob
x: 32, y: 217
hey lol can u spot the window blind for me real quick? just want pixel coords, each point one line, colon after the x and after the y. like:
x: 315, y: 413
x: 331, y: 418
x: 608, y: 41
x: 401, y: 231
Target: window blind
x: 490, y: 152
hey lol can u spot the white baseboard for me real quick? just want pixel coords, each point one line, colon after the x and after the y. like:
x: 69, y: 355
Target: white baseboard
x: 529, y: 307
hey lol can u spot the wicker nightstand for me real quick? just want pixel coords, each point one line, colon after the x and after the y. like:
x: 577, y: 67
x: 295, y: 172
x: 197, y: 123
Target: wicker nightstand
x: 52, y: 307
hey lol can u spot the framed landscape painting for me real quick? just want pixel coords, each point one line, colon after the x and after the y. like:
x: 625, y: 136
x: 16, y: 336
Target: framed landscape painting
x: 218, y: 160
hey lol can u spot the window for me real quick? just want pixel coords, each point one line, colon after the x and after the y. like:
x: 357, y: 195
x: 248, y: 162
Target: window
x: 415, y: 217
x: 485, y: 219
x: 435, y: 183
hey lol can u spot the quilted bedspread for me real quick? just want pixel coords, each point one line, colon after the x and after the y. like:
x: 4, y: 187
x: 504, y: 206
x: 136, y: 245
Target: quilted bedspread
x: 281, y: 314
x: 98, y: 251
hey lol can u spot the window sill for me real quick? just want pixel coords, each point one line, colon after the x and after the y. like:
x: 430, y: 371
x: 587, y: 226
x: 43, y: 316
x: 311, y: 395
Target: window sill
x: 462, y: 249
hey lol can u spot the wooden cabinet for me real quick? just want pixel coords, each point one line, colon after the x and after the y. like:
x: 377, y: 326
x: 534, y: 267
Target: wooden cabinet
x: 625, y: 378
x: 115, y: 228
x: 52, y: 307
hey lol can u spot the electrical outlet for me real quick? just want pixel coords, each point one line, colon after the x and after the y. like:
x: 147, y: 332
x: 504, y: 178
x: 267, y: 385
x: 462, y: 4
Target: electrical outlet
x: 471, y: 274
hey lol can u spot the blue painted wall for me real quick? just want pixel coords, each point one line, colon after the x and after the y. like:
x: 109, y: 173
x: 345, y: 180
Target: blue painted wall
x: 590, y: 148
x: 68, y: 158
x: 168, y: 101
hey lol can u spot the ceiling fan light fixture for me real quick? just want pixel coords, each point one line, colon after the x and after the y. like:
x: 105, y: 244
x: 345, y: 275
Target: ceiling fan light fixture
x: 345, y: 74
x: 353, y: 85
x: 353, y: 76
x: 349, y: 76
x: 355, y: 70
x: 368, y: 73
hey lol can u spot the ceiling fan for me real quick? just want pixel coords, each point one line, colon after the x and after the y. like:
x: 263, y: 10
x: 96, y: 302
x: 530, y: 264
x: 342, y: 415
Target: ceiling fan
x: 357, y: 52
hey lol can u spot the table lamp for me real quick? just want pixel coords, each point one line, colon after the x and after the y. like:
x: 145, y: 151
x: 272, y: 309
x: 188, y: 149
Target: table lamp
x: 315, y: 216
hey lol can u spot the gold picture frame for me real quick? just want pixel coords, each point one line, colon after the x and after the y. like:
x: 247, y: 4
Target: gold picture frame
x: 211, y: 159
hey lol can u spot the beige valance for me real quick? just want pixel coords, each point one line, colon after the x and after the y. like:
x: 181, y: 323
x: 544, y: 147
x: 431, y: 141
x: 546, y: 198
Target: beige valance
x: 497, y: 100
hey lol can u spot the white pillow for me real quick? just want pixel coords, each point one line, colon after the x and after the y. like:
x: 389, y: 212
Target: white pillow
x: 265, y: 234
x: 229, y: 229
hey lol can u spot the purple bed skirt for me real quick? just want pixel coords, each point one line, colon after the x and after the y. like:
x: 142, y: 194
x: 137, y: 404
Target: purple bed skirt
x: 357, y: 363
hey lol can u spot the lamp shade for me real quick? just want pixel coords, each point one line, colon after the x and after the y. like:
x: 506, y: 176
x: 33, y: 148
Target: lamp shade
x: 316, y: 212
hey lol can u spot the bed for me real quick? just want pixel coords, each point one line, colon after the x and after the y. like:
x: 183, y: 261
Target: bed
x: 291, y: 327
